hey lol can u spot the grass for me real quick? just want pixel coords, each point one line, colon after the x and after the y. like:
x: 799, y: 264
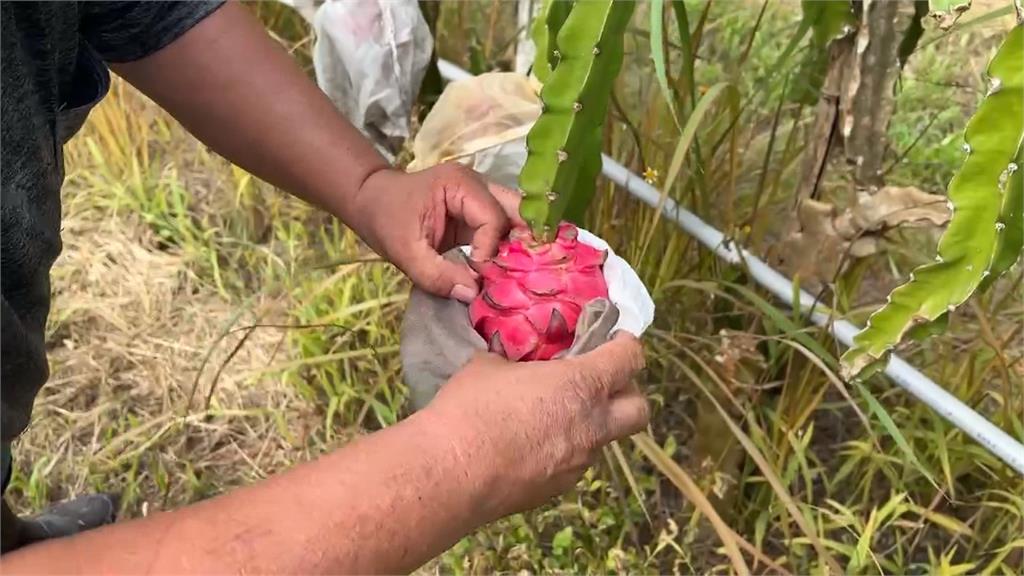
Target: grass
x: 208, y: 331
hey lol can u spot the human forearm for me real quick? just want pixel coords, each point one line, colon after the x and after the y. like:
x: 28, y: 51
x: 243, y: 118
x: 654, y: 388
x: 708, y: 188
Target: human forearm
x: 384, y: 504
x: 233, y: 87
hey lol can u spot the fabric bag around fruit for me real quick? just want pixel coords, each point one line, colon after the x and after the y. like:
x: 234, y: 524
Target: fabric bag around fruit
x: 482, y: 122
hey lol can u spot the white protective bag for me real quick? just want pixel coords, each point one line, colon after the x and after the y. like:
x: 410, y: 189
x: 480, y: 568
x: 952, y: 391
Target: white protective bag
x: 370, y: 58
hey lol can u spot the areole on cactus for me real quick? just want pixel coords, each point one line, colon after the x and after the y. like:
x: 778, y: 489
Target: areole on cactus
x: 564, y: 143
x: 536, y: 287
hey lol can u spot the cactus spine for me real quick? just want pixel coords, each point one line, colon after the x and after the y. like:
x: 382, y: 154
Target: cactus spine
x: 564, y: 146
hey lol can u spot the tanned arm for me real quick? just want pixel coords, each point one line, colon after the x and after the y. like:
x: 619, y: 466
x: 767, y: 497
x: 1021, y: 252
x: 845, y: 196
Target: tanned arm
x: 239, y: 92
x: 499, y: 438
x: 353, y: 511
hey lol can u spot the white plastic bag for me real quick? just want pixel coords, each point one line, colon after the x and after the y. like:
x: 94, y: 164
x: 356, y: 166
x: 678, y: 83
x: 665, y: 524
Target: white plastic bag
x: 370, y: 57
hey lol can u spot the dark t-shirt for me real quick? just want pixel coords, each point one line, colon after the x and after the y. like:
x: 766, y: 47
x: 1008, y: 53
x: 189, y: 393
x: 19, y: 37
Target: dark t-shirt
x: 54, y: 71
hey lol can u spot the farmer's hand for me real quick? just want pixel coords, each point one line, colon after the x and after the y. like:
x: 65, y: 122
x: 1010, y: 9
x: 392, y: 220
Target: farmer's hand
x: 411, y: 219
x: 527, y: 431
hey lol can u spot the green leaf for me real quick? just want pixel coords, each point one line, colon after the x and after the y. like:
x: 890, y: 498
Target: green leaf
x: 829, y: 20
x: 975, y: 240
x: 562, y: 541
x: 921, y: 332
x: 658, y: 55
x: 575, y: 98
x: 786, y: 325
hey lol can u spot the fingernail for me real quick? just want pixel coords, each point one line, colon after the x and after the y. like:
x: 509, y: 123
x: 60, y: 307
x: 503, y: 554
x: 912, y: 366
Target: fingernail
x: 463, y: 293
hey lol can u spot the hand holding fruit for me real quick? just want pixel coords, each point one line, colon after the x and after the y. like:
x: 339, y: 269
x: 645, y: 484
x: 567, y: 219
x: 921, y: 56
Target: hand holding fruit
x: 411, y: 219
x: 529, y: 430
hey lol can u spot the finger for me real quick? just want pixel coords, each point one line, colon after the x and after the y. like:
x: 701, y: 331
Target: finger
x: 611, y: 366
x: 627, y: 415
x: 487, y: 359
x: 469, y: 203
x: 438, y: 275
x: 509, y: 200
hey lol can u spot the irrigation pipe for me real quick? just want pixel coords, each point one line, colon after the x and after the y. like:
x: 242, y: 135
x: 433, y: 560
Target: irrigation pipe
x: 994, y: 439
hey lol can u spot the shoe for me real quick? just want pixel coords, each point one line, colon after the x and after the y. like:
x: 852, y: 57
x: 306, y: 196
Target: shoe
x: 69, y: 517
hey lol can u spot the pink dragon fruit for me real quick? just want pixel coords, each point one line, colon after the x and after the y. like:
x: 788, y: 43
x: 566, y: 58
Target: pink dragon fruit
x: 533, y: 293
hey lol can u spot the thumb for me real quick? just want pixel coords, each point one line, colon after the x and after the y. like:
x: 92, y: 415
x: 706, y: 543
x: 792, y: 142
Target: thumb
x: 434, y: 273
x: 613, y: 364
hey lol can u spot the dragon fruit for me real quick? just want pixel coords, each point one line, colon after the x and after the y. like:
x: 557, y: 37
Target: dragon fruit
x: 533, y: 293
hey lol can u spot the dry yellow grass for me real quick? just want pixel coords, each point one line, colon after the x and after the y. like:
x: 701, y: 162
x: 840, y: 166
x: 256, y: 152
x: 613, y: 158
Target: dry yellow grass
x: 130, y: 329
x: 141, y: 327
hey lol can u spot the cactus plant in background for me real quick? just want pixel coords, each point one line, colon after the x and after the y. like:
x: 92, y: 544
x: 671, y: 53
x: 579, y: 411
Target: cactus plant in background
x: 537, y: 286
x: 985, y: 234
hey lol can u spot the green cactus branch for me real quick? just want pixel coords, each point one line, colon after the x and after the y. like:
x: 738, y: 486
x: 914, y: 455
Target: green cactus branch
x: 560, y: 146
x: 544, y: 33
x: 1010, y: 243
x: 983, y: 238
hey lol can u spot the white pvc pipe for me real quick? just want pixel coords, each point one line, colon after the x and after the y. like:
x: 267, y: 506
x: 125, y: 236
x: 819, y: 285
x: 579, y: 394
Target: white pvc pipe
x: 1004, y: 446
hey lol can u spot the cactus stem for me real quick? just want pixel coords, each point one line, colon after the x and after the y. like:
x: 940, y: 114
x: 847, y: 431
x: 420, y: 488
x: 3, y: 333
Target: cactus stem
x: 565, y: 142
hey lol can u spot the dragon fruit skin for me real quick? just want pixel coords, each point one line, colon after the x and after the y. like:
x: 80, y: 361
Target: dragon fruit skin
x: 532, y: 293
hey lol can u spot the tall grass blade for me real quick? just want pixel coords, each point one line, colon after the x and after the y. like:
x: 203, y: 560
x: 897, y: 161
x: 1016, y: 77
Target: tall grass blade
x: 682, y: 148
x: 692, y: 492
x: 630, y: 479
x: 658, y: 56
x: 894, y: 431
x: 686, y: 44
x: 770, y: 475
